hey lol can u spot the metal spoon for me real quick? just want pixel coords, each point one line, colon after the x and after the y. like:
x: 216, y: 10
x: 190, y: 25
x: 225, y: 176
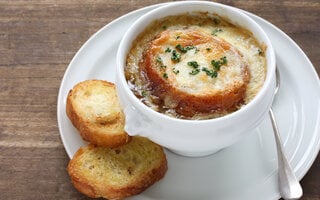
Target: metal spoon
x: 289, y: 186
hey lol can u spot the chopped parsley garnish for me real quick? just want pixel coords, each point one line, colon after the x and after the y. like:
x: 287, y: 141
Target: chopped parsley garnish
x: 217, y: 64
x: 214, y: 74
x: 165, y: 75
x: 160, y: 63
x: 224, y: 60
x: 175, y: 56
x: 164, y: 27
x: 177, y: 37
x: 215, y: 31
x: 180, y: 48
x: 168, y: 50
x: 208, y: 49
x: 144, y: 93
x: 184, y: 49
x: 261, y: 53
x: 211, y: 73
x: 176, y: 71
x: 163, y: 66
x: 216, y: 67
x: 193, y: 64
x: 195, y: 71
x: 159, y: 60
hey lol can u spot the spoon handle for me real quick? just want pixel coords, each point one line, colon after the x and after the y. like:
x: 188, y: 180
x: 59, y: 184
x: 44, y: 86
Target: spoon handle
x: 289, y: 186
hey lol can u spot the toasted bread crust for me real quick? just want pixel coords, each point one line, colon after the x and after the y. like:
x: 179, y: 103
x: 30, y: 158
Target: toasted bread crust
x: 106, y: 130
x: 202, y: 101
x: 89, y: 183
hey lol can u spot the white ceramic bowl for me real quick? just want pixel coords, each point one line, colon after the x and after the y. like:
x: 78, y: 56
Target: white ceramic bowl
x: 193, y: 137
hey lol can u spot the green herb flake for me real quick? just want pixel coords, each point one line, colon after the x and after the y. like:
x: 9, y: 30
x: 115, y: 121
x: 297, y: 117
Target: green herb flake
x: 164, y: 27
x: 175, y: 56
x: 224, y: 60
x: 216, y: 67
x: 215, y: 31
x: 174, y: 70
x: 185, y: 49
x: 165, y: 75
x: 177, y: 37
x: 214, y: 74
x: 194, y: 71
x: 193, y: 64
x: 211, y: 73
x: 180, y: 48
x: 163, y: 66
x: 217, y: 64
x: 144, y: 93
x: 208, y: 49
x: 159, y: 60
x: 260, y: 52
x: 168, y: 50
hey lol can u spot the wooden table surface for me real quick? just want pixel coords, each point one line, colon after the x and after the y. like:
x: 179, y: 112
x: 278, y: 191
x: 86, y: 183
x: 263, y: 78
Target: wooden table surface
x: 38, y: 39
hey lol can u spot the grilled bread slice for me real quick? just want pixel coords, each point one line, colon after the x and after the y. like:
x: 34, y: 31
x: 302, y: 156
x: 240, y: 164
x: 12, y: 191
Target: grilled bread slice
x: 195, y: 72
x: 94, y: 109
x: 119, y: 172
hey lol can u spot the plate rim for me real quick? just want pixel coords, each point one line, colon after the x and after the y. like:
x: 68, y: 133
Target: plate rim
x: 314, y: 73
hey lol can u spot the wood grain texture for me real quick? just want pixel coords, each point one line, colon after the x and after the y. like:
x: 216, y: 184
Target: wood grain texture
x: 38, y: 38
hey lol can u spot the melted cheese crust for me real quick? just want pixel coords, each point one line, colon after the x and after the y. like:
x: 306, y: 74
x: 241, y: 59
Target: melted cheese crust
x: 243, y: 74
x: 205, y: 48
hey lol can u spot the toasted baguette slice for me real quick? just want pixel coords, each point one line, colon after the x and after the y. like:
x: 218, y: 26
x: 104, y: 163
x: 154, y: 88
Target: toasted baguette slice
x: 94, y: 109
x: 184, y: 77
x: 120, y: 172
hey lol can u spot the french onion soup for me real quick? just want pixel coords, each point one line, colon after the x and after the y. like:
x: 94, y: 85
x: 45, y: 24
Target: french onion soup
x: 195, y: 66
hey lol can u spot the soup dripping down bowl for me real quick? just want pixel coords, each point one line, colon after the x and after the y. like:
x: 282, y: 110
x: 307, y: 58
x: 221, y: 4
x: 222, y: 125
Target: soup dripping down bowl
x: 194, y: 137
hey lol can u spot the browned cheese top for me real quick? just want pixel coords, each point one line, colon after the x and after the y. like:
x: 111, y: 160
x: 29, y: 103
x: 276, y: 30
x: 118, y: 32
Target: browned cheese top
x: 195, y: 66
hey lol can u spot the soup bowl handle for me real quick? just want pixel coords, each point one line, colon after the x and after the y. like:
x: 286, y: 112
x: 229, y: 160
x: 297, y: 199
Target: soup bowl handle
x: 137, y: 123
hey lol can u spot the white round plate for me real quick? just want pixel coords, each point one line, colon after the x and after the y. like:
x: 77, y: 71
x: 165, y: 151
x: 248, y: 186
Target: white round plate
x: 246, y: 170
